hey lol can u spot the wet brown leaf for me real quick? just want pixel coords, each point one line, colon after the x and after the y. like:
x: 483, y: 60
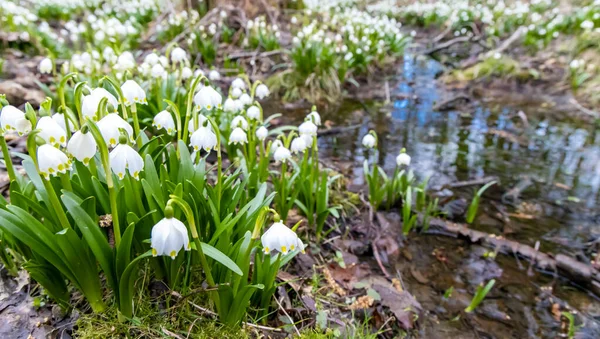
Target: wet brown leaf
x: 404, y: 306
x: 418, y: 276
x: 349, y: 275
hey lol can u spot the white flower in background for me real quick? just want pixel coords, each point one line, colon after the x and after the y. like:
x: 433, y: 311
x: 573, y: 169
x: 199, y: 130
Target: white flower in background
x: 587, y: 25
x: 46, y: 66
x: 403, y: 159
x: 315, y: 117
x: 164, y: 120
x: 236, y: 92
x: 52, y: 161
x: 82, y: 146
x: 198, y: 73
x: 294, y: 20
x: 60, y: 120
x: 280, y: 238
x: 214, y: 75
x: 307, y: 128
x: 245, y: 99
x: 298, y: 145
x: 125, y: 61
x: 109, y: 128
x: 13, y: 120
x: 262, y: 91
x: 275, y: 145
x: 207, y: 98
x: 203, y: 138
x: 157, y: 71
x: 238, y: 136
x: 239, y: 121
x: 369, y: 141
x: 133, y: 93
x: 109, y: 55
x: 261, y: 133
x: 151, y: 59
x: 238, y: 83
x: 89, y: 104
x: 253, y: 112
x: 51, y: 132
x: 230, y: 106
x: 186, y: 73
x: 178, y: 55
x: 123, y: 159
x: 281, y: 152
x: 201, y: 120
x: 169, y: 236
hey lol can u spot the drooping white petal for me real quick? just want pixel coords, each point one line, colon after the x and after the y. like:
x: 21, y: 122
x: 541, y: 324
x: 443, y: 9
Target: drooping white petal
x: 133, y: 93
x: 164, y: 120
x: 13, y: 120
x: 261, y: 133
x: 109, y: 128
x: 51, y: 131
x: 82, y: 146
x: 262, y: 91
x: 298, y: 145
x: 281, y: 154
x: 280, y: 238
x: 253, y: 112
x: 403, y: 159
x: 52, y: 161
x: 239, y: 121
x: 124, y: 158
x: 369, y: 141
x: 203, y: 138
x: 169, y: 236
x: 238, y: 136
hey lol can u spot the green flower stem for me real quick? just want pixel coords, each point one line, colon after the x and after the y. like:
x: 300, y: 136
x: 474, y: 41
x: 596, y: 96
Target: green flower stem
x: 7, y: 159
x: 65, y: 180
x: 219, y: 164
x: 61, y: 88
x: 177, y: 116
x: 188, y: 111
x: 136, y: 125
x: 117, y: 88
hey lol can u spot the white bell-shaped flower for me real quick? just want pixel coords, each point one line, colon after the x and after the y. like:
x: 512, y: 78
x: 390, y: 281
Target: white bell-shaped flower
x: 203, y: 138
x: 109, y: 128
x: 46, y: 66
x: 52, y: 161
x: 308, y: 139
x: 125, y: 61
x: 208, y: 98
x: 236, y: 92
x: 261, y: 133
x: 201, y: 120
x: 253, y: 112
x: 281, y: 154
x: 245, y: 99
x: 89, y: 104
x: 214, y: 75
x: 133, y: 93
x: 169, y: 236
x: 238, y: 136
x: 238, y: 83
x: 151, y: 59
x: 164, y: 120
x: 275, y: 145
x: 186, y: 73
x: 369, y: 141
x: 298, y: 145
x: 13, y: 119
x: 230, y: 106
x: 157, y: 71
x: 82, y: 146
x: 239, y: 121
x: 315, y: 117
x: 307, y: 128
x: 280, y: 238
x: 403, y: 159
x: 124, y: 158
x: 262, y: 91
x: 178, y: 55
x: 60, y: 120
x: 51, y: 132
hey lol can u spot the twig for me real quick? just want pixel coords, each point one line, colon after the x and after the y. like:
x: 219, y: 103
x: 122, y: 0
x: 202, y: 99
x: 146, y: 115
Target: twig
x: 442, y: 105
x: 170, y: 334
x: 254, y: 54
x: 287, y: 315
x: 378, y: 259
x: 443, y: 34
x: 587, y: 111
x: 449, y: 43
x: 504, y: 45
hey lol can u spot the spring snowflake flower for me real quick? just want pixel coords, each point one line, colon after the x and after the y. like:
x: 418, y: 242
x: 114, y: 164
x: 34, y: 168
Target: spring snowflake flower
x: 298, y: 145
x: 178, y: 55
x: 82, y: 146
x: 587, y: 25
x: 151, y: 59
x: 239, y: 121
x: 230, y: 106
x: 261, y: 133
x: 125, y: 61
x: 169, y: 236
x: 46, y: 66
x: 369, y: 141
x: 89, y: 103
x: 157, y: 71
x: 315, y: 117
x: 280, y: 238
x: 281, y: 153
x: 208, y: 98
x: 238, y: 83
x: 133, y: 93
x: 307, y: 128
x: 253, y: 112
x: 201, y: 120
x: 13, y: 120
x: 60, y: 120
x: 52, y: 161
x: 262, y: 91
x: 403, y: 159
x: 203, y: 138
x: 164, y: 120
x: 214, y: 75
x: 245, y: 99
x: 109, y: 128
x: 51, y: 132
x: 236, y: 92
x: 186, y: 73
x: 124, y: 158
x: 238, y: 136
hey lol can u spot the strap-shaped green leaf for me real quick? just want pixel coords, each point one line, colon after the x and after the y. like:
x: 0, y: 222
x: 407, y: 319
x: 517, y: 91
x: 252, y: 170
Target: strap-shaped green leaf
x: 218, y: 256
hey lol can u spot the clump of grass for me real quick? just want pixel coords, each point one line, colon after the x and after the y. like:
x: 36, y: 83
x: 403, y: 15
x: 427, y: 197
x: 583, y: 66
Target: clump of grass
x: 496, y: 66
x: 480, y: 295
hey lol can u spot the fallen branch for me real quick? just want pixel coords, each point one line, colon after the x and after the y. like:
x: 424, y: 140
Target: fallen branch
x: 337, y: 130
x: 254, y: 54
x: 587, y: 111
x: 501, y: 48
x: 445, y: 105
x: 449, y: 43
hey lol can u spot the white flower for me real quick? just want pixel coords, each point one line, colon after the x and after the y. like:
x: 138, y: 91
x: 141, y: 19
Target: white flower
x: 133, y: 93
x: 298, y: 145
x: 164, y: 120
x: 198, y: 73
x: 261, y: 133
x: 151, y: 59
x: 203, y: 138
x: 307, y: 128
x: 238, y: 83
x: 109, y: 128
x: 125, y: 61
x: 369, y: 141
x: 315, y: 117
x: 90, y: 103
x: 230, y: 106
x: 238, y: 136
x: 281, y: 153
x: 157, y: 71
x: 82, y: 146
x: 52, y: 161
x: 245, y: 99
x: 46, y: 66
x: 51, y: 132
x: 124, y: 158
x: 60, y: 120
x: 201, y: 120
x: 207, y: 98
x: 186, y: 73
x: 236, y: 92
x: 169, y: 236
x: 13, y: 120
x: 178, y: 55
x: 587, y: 25
x: 403, y: 159
x: 262, y: 91
x: 214, y: 75
x: 239, y: 121
x: 253, y: 112
x: 280, y: 238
